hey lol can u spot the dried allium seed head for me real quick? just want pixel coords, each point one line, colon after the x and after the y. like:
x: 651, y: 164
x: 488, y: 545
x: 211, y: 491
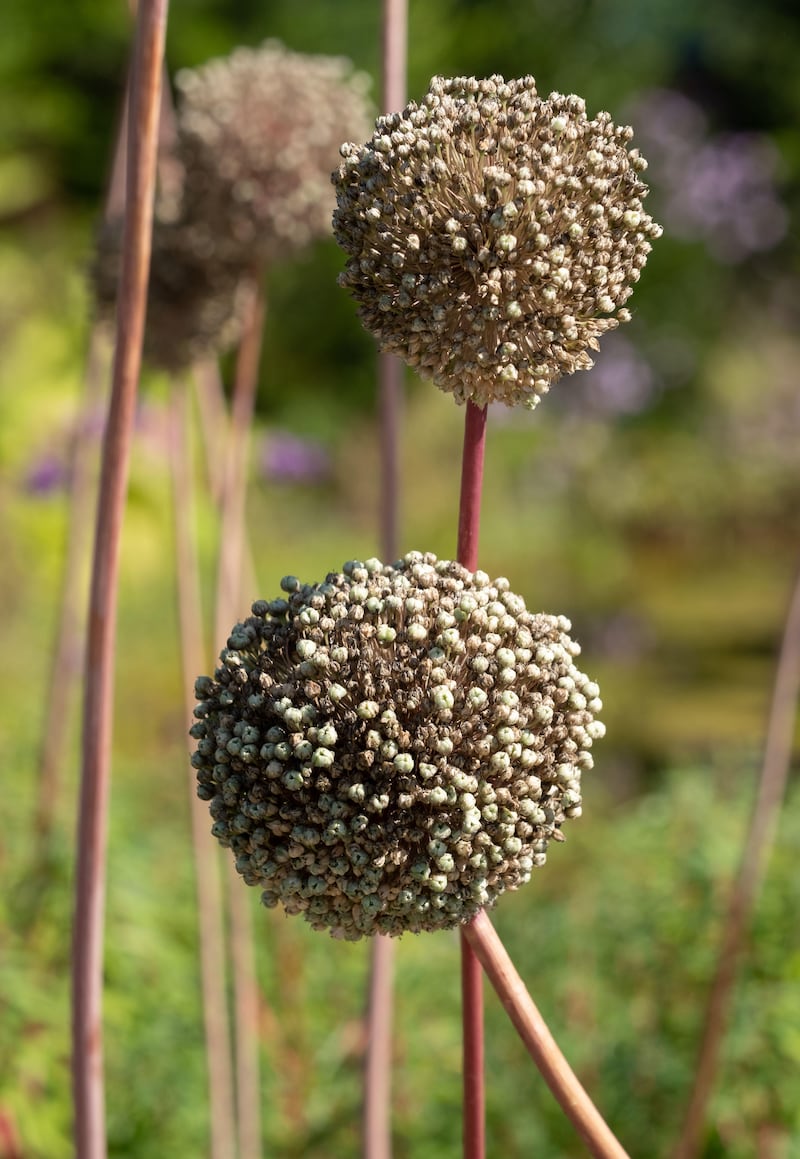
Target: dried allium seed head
x: 259, y: 133
x: 391, y: 749
x: 493, y: 235
x: 198, y: 303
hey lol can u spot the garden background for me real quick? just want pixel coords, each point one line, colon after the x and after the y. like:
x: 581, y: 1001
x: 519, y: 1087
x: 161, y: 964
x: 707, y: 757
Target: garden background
x: 653, y: 500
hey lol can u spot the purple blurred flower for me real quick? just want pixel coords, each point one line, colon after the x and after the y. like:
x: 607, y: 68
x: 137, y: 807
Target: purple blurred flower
x: 46, y: 474
x: 621, y: 381
x: 719, y: 189
x: 286, y: 458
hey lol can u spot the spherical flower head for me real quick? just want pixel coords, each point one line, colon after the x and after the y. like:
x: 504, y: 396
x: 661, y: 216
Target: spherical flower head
x: 258, y: 135
x: 391, y: 749
x: 198, y: 300
x: 493, y: 235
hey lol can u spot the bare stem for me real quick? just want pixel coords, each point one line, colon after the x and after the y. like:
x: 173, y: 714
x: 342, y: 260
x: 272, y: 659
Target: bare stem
x: 377, y: 1124
x: 66, y: 658
x: 469, y: 518
x: 232, y: 518
x: 213, y: 423
x: 229, y: 583
x: 65, y: 664
x: 87, y: 1049
x: 378, y: 1061
x: 538, y: 1040
x: 211, y: 930
x: 755, y: 853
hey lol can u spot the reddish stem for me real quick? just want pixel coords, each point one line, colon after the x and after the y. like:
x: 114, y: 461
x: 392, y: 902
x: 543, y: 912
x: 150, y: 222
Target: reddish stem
x: 469, y: 516
x: 474, y: 1112
x: 87, y: 1040
x: 471, y: 977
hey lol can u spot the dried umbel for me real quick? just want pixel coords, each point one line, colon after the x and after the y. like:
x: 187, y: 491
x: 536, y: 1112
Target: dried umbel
x: 258, y: 136
x: 391, y: 749
x: 198, y: 303
x: 493, y: 235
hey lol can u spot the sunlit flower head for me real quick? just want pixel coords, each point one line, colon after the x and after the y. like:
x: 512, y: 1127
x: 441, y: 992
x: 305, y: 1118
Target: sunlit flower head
x: 493, y: 235
x: 391, y: 749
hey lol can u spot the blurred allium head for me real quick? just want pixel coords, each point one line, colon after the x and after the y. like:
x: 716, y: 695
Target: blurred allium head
x: 493, y: 235
x: 391, y: 749
x: 259, y: 133
x: 198, y: 303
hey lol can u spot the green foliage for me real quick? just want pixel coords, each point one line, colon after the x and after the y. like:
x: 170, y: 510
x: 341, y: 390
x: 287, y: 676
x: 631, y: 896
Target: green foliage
x: 615, y: 939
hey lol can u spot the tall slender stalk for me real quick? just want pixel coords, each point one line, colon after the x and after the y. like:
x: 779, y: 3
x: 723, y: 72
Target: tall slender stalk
x: 65, y: 662
x: 538, y: 1040
x: 469, y: 517
x: 229, y: 582
x: 377, y: 1125
x: 87, y: 964
x: 211, y: 933
x: 213, y: 423
x: 755, y: 853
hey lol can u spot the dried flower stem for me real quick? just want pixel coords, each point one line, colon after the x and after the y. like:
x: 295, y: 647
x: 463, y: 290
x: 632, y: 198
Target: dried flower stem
x: 755, y: 853
x: 471, y: 979
x: 214, y: 421
x: 211, y: 934
x: 541, y: 1046
x: 377, y: 1126
x: 246, y: 1018
x: 87, y: 1052
x: 229, y: 579
x: 232, y: 518
x: 378, y: 1061
x: 65, y: 662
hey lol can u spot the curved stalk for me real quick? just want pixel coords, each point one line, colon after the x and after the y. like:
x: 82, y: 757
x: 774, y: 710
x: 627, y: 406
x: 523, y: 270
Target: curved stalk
x: 87, y: 1031
x: 538, y: 1040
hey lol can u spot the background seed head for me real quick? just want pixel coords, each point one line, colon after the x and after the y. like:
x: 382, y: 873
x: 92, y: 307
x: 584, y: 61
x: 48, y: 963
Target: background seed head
x: 493, y: 235
x: 381, y: 782
x: 258, y: 135
x: 198, y: 298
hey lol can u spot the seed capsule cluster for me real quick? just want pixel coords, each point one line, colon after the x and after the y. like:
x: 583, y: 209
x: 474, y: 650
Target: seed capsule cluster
x: 198, y: 301
x: 391, y: 749
x: 493, y: 235
x: 258, y: 135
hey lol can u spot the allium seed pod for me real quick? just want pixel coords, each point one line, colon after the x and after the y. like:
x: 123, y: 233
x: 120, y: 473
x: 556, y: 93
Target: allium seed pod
x: 493, y: 235
x: 258, y: 135
x: 391, y: 749
x: 197, y: 303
